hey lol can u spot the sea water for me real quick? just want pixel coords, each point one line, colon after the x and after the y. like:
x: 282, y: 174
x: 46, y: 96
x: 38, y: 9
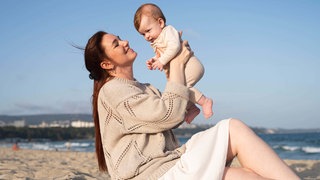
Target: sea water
x: 295, y: 146
x: 292, y: 146
x: 287, y: 146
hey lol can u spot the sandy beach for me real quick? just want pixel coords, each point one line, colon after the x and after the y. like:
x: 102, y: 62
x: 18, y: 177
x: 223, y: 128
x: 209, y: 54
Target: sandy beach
x: 58, y: 165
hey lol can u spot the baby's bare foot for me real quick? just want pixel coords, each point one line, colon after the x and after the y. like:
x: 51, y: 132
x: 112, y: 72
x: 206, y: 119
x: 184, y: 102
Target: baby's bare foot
x: 207, y: 108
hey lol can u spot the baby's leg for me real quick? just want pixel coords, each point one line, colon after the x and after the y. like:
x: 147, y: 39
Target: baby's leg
x: 194, y: 71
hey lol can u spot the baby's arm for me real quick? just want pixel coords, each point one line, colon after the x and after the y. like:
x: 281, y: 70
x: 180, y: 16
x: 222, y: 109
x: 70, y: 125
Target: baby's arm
x: 173, y: 45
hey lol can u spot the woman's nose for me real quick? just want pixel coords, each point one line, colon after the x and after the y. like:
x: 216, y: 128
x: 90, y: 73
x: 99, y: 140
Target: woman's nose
x: 125, y: 43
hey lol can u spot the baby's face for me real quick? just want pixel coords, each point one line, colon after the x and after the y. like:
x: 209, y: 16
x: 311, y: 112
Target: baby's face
x: 150, y: 28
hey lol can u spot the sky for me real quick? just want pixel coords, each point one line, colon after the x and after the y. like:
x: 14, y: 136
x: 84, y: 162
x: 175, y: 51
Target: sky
x: 261, y: 58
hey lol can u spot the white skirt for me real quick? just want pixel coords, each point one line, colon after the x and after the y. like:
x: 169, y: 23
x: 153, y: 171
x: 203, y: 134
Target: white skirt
x: 205, y: 156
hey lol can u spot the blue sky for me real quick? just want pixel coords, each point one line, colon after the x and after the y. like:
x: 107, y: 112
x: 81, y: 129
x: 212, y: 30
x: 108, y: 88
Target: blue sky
x: 262, y: 58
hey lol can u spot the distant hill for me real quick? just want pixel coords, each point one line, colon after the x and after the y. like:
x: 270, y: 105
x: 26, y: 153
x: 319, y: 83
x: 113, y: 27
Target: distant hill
x: 48, y: 118
x: 37, y: 119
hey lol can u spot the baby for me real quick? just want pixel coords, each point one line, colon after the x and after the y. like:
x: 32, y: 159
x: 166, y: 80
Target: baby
x: 150, y: 22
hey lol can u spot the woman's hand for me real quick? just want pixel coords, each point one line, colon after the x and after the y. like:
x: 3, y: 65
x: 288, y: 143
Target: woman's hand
x: 184, y: 54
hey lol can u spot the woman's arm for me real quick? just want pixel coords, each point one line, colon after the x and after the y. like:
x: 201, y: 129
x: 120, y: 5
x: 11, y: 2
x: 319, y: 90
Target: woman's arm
x: 140, y: 109
x: 144, y: 111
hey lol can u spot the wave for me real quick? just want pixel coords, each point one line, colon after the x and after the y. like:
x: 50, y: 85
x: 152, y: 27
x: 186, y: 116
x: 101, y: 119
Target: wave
x: 311, y: 150
x: 306, y: 149
x: 286, y: 148
x: 39, y: 146
x: 77, y: 144
x: 290, y: 148
x: 81, y: 146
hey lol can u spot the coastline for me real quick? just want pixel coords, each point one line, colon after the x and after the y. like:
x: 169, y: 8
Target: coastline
x: 41, y: 164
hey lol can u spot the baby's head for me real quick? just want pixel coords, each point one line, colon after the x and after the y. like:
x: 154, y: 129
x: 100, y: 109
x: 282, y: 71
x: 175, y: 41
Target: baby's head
x: 149, y: 21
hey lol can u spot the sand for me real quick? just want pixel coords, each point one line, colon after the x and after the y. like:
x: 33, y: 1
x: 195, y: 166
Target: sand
x: 58, y: 165
x: 305, y: 169
x: 39, y: 164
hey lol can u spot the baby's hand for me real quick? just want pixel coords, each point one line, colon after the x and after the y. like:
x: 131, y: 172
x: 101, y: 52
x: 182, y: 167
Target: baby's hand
x: 157, y: 65
x: 149, y: 63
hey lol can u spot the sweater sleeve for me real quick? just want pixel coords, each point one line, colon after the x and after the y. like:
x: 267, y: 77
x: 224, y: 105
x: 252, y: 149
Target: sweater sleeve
x: 144, y: 111
x: 173, y: 44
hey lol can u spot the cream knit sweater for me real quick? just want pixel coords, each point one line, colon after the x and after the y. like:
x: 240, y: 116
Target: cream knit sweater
x: 136, y: 122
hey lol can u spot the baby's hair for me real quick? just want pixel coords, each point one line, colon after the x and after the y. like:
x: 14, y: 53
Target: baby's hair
x: 150, y: 10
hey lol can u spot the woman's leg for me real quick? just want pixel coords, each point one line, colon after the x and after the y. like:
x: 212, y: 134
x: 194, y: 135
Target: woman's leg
x: 255, y: 156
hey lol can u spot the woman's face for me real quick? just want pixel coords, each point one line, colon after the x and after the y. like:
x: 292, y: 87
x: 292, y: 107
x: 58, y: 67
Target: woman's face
x: 118, y: 51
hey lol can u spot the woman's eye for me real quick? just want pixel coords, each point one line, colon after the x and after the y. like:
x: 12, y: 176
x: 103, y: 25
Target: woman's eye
x: 116, y: 44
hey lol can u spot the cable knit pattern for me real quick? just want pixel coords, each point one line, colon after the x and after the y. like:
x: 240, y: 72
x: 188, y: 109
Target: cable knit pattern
x: 135, y: 122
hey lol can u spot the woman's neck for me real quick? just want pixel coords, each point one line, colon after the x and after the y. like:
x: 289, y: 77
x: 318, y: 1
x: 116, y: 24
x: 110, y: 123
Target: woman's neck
x: 125, y: 73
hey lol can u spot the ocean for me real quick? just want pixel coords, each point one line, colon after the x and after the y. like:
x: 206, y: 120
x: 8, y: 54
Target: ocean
x: 295, y: 146
x: 300, y: 146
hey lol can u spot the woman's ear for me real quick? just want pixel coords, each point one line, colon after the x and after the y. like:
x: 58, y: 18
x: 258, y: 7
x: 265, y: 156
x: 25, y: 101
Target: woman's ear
x: 107, y: 65
x: 161, y: 22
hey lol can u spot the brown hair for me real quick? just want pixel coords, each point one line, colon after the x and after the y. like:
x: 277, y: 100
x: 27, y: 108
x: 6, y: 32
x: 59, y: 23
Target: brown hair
x: 150, y: 10
x: 93, y: 55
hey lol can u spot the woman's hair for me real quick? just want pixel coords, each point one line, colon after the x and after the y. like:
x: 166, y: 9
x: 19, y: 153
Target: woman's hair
x: 150, y: 10
x: 94, y: 54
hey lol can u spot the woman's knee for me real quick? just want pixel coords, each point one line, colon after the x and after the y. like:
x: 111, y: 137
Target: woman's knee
x: 236, y: 123
x: 237, y: 127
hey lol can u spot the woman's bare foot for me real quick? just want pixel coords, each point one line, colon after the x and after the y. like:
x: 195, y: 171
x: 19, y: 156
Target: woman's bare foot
x: 192, y: 112
x: 206, y: 104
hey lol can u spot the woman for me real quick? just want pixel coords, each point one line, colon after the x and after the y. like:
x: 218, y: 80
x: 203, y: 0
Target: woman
x: 134, y: 121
